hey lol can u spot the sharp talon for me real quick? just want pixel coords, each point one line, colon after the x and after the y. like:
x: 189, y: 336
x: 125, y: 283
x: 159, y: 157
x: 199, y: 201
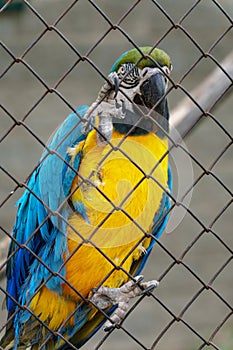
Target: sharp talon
x: 109, y: 328
x: 116, y: 85
x: 139, y: 279
x: 149, y: 289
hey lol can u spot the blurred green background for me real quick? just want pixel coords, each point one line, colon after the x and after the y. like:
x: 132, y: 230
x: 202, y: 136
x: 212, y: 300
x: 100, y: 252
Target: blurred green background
x: 51, y: 57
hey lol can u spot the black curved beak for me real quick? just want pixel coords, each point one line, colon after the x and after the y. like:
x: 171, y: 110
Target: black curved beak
x: 153, y: 92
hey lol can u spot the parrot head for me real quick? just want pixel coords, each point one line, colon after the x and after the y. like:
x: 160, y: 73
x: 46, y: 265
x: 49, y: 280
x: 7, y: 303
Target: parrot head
x: 141, y: 83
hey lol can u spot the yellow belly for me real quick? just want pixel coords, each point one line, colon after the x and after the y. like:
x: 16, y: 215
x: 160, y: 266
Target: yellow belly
x: 121, y: 199
x: 110, y: 239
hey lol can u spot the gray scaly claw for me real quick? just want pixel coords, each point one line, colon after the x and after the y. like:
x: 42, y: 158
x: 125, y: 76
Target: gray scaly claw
x: 105, y: 107
x: 105, y: 297
x: 114, y: 81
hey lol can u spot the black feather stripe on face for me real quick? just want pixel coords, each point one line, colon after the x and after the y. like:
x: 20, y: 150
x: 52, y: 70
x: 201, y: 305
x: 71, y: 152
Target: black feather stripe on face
x: 129, y: 74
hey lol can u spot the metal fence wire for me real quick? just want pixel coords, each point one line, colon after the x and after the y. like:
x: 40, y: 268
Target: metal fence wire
x: 55, y: 55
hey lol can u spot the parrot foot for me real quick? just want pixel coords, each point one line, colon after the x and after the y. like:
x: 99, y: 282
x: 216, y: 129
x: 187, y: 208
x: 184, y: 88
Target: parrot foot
x: 105, y: 297
x: 107, y: 111
x: 105, y: 107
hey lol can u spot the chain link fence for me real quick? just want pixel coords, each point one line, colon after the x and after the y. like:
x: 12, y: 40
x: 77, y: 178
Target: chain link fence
x: 55, y: 55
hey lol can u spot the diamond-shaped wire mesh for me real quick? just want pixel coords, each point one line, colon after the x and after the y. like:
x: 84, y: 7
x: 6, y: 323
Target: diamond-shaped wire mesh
x: 55, y: 55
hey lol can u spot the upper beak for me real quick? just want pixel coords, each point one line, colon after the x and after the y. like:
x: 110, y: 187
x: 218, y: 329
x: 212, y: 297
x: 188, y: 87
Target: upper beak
x: 153, y: 91
x: 153, y: 87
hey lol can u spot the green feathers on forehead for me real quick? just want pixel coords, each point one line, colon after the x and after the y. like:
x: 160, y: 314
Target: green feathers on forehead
x: 134, y: 56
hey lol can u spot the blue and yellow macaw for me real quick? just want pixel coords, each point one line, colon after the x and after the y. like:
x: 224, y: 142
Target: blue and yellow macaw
x: 92, y: 211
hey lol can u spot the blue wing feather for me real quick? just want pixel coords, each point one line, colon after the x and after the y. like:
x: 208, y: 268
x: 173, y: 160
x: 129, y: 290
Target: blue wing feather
x: 24, y: 271
x: 41, y: 226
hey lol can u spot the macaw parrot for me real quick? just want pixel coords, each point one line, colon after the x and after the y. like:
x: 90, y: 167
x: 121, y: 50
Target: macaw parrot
x: 92, y: 211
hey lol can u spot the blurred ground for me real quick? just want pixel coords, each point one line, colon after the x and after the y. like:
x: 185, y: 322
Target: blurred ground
x: 51, y: 58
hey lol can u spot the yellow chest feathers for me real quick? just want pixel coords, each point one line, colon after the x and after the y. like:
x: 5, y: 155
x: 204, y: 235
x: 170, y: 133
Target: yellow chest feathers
x: 119, y: 186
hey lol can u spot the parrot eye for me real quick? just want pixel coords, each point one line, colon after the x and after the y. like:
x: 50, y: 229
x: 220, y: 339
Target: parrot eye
x: 122, y: 70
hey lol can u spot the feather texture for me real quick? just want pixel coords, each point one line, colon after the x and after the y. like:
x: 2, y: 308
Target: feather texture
x: 89, y: 216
